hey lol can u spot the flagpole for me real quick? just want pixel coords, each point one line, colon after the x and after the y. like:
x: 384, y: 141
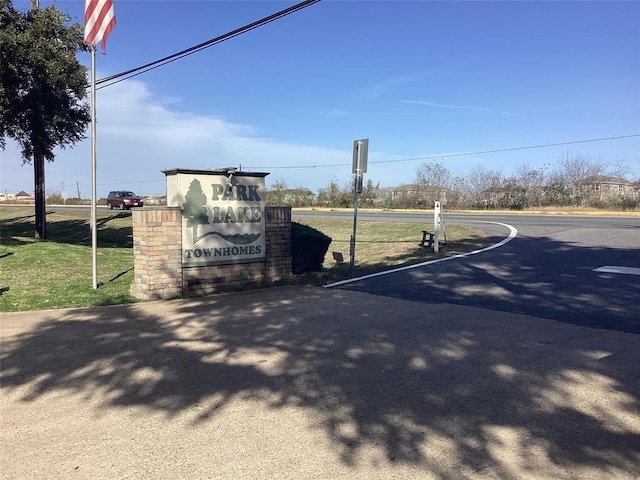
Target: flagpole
x: 99, y: 20
x: 94, y: 231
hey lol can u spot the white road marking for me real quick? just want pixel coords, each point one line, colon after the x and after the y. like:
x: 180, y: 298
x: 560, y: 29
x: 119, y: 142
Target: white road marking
x: 512, y: 234
x: 616, y: 269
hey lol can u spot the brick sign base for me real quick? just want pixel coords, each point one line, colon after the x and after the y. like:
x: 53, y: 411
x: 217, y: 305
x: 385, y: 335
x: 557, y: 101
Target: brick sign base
x: 157, y: 257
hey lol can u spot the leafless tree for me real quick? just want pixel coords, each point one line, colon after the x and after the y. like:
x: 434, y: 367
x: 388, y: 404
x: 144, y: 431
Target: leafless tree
x: 576, y: 167
x: 578, y: 171
x: 620, y: 169
x: 533, y: 181
x: 436, y: 182
x: 433, y: 174
x: 277, y: 192
x: 483, y: 184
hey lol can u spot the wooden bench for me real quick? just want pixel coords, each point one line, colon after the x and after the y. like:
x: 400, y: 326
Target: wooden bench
x: 428, y: 241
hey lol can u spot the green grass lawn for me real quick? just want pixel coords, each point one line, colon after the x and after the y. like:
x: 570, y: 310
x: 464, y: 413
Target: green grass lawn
x: 381, y: 245
x: 57, y: 272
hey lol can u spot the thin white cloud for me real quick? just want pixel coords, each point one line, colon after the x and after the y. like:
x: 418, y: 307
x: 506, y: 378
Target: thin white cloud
x: 442, y: 105
x: 456, y: 107
x: 381, y: 87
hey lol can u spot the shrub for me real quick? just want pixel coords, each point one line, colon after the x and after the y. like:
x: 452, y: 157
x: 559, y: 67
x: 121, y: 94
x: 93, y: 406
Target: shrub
x: 55, y: 199
x: 77, y: 201
x: 308, y: 248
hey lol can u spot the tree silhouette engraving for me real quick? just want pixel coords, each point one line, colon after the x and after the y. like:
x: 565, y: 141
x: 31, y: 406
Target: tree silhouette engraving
x: 194, y: 208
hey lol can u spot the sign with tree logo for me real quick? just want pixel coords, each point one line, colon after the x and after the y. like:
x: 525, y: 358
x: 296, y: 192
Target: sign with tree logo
x: 222, y: 215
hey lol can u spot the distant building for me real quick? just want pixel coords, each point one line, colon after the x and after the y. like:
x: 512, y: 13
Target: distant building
x: 603, y: 187
x: 20, y: 197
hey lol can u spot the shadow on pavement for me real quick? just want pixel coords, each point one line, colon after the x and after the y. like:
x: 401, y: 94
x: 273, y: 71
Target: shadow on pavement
x: 452, y: 391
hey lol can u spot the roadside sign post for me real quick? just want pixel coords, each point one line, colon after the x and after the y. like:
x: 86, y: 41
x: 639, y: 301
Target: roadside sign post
x: 438, y: 224
x: 360, y: 154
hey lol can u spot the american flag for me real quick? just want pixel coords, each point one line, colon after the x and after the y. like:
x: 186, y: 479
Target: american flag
x: 99, y: 21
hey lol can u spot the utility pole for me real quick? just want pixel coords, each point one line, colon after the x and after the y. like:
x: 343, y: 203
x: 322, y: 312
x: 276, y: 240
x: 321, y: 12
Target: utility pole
x: 38, y: 179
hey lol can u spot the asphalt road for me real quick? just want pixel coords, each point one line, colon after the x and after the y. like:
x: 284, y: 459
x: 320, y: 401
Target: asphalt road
x: 546, y: 271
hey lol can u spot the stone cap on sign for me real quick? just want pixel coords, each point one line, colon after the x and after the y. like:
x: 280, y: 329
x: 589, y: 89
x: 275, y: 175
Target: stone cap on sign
x: 214, y: 171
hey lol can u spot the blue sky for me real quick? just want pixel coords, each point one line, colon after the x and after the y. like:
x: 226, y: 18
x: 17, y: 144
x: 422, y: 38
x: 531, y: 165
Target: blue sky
x: 418, y: 78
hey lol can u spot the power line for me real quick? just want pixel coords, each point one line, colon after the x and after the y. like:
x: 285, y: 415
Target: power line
x: 119, y: 77
x: 452, y: 155
x: 433, y: 157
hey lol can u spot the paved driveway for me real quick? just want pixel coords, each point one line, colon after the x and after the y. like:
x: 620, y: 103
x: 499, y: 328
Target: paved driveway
x: 302, y: 382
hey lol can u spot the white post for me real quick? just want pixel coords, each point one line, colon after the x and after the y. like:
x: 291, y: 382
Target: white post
x: 94, y: 229
x: 436, y: 226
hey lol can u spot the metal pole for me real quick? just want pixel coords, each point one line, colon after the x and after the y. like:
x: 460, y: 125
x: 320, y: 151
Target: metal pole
x: 94, y: 230
x: 352, y: 250
x: 352, y: 256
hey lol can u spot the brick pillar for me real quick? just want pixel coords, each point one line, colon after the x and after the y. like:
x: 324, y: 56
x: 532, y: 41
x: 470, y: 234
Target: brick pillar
x: 157, y: 252
x: 278, y: 243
